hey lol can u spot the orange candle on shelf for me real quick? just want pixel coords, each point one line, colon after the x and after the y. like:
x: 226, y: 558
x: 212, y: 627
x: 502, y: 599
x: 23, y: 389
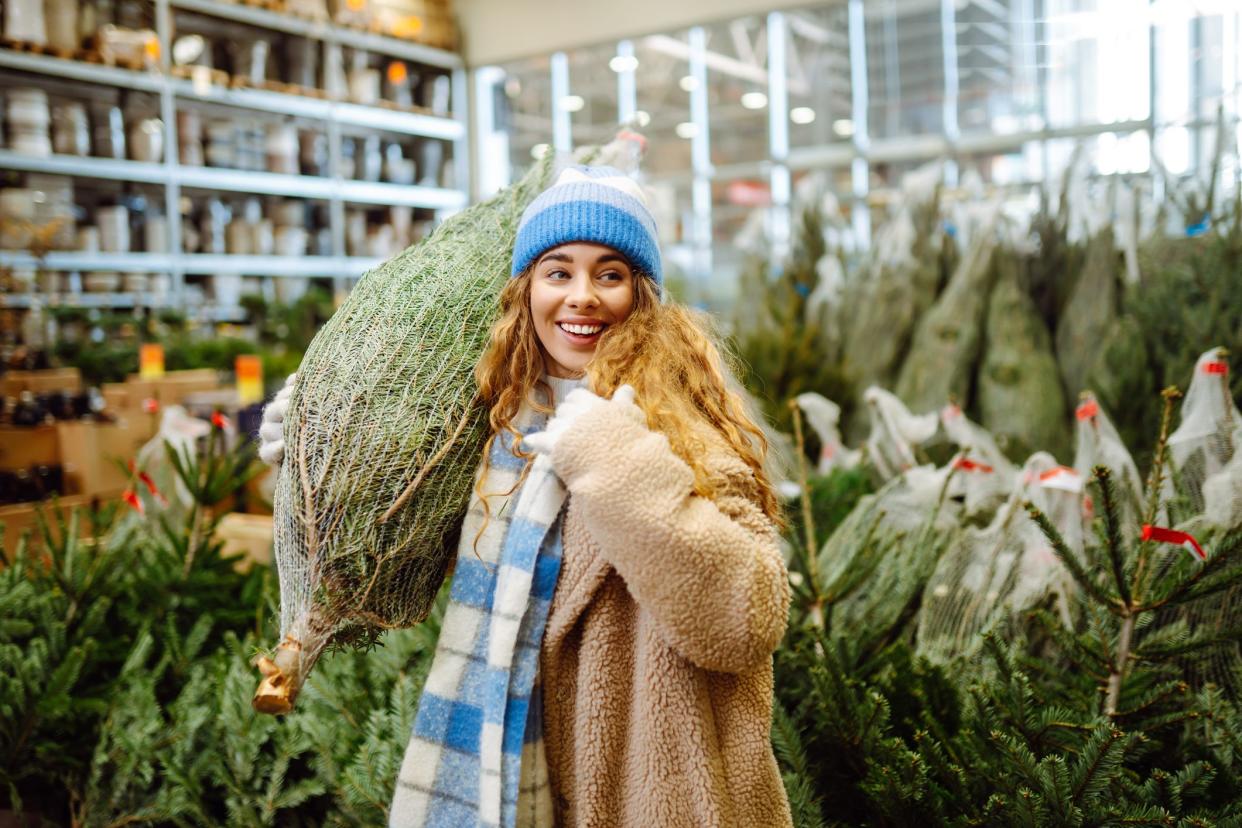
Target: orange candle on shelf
x: 151, y: 361
x: 249, y: 370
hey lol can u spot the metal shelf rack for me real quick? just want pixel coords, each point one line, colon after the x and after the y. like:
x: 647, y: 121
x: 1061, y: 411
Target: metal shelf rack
x: 176, y: 93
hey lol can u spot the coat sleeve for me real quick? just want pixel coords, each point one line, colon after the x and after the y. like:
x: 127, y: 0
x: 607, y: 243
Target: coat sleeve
x: 709, y: 571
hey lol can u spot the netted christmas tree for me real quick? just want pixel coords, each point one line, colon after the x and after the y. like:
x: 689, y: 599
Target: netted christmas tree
x: 785, y: 345
x: 1088, y: 704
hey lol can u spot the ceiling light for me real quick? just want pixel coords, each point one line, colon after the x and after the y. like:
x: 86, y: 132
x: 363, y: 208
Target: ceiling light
x: 572, y: 103
x: 623, y: 63
x: 802, y: 115
x: 844, y: 127
x: 687, y: 130
x: 642, y: 117
x: 754, y: 100
x: 539, y: 151
x: 688, y: 83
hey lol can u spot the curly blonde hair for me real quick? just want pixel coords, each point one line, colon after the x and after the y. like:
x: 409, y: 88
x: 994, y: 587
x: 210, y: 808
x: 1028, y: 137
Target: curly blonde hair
x: 667, y: 352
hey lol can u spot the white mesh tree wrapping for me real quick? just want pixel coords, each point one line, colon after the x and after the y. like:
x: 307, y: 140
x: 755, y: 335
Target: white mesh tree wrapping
x: 884, y: 550
x: 824, y: 416
x: 1097, y: 443
x: 1005, y: 568
x: 383, y: 436
x: 1208, y: 477
x: 1222, y: 496
x: 894, y: 433
x: 1207, y: 437
x: 984, y: 476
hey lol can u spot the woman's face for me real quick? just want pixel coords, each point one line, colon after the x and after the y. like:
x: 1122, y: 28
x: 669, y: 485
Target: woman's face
x: 577, y: 290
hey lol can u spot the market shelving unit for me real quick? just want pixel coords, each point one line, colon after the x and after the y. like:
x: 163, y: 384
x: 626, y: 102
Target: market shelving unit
x: 175, y: 189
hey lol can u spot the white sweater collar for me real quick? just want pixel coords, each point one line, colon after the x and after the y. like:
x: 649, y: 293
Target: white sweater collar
x: 561, y: 386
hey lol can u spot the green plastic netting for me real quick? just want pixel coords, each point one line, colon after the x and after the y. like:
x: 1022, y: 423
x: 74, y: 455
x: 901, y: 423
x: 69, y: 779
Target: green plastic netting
x: 384, y: 434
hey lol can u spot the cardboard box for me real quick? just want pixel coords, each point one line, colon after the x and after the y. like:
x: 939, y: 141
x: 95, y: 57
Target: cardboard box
x: 19, y: 518
x: 116, y: 396
x: 248, y: 538
x: 21, y: 448
x: 94, y: 455
x: 171, y: 388
x: 40, y: 382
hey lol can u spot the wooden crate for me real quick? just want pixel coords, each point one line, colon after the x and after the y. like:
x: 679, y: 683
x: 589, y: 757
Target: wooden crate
x: 20, y: 518
x: 14, y: 383
x: 171, y: 388
x: 21, y: 448
x: 95, y: 455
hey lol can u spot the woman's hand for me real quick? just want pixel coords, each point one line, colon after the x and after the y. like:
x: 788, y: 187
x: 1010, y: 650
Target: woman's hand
x: 576, y: 405
x: 272, y: 431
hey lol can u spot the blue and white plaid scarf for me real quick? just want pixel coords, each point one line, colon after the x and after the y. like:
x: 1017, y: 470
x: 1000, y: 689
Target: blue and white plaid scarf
x: 477, y: 744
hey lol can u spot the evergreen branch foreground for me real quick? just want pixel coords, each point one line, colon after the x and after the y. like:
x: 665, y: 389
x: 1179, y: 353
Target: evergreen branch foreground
x: 125, y: 679
x: 1105, y: 722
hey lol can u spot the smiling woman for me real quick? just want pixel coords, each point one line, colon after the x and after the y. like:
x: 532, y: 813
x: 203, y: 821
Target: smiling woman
x: 577, y: 291
x: 606, y: 654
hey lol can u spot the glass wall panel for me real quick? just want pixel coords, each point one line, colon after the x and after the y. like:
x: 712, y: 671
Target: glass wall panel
x: 737, y: 83
x: 820, y: 103
x: 905, y: 68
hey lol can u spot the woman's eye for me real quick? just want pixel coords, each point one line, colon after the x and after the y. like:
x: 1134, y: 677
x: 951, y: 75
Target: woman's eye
x: 611, y: 276
x: 558, y: 274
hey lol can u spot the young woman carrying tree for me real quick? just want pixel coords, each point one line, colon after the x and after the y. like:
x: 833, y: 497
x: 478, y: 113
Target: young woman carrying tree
x: 606, y: 656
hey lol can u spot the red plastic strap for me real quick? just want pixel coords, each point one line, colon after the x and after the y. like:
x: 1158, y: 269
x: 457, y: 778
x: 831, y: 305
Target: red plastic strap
x: 1051, y: 473
x: 133, y: 500
x: 150, y: 405
x: 966, y: 464
x: 150, y: 484
x: 219, y: 420
x: 951, y: 412
x: 1087, y: 410
x: 630, y: 135
x: 1216, y: 368
x: 1162, y: 535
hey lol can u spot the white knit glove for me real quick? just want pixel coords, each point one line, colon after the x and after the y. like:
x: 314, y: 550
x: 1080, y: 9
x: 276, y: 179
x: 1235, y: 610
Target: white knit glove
x: 272, y: 431
x: 577, y: 404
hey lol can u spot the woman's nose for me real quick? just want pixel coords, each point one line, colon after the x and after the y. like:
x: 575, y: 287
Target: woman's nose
x: 582, y: 292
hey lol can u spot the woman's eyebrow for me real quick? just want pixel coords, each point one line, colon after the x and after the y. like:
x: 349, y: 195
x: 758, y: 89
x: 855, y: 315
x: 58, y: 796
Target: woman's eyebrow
x: 612, y: 257
x: 556, y: 257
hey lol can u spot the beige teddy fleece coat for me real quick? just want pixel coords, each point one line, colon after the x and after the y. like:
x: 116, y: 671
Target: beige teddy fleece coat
x: 657, y: 659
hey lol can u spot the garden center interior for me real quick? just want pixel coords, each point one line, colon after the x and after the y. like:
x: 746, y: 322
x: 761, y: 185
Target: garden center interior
x: 958, y: 250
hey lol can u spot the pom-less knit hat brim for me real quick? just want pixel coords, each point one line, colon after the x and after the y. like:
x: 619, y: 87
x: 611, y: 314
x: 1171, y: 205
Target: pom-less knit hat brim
x: 590, y: 204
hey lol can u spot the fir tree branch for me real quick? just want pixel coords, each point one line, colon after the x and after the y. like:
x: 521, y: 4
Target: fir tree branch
x: 1156, y: 479
x: 1124, y: 639
x: 1198, y: 584
x: 1170, y: 689
x: 1112, y: 531
x: 1190, y: 644
x: 808, y: 519
x: 1103, y: 753
x: 1067, y: 556
x: 1072, y: 644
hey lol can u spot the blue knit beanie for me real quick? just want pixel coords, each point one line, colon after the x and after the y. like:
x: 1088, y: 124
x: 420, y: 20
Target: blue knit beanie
x: 590, y: 204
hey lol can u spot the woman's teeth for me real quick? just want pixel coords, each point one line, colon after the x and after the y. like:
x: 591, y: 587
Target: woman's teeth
x: 580, y: 330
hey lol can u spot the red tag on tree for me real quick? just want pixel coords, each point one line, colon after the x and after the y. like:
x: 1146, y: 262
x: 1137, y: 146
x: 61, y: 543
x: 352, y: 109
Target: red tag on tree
x: 135, y: 502
x: 1183, y: 539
